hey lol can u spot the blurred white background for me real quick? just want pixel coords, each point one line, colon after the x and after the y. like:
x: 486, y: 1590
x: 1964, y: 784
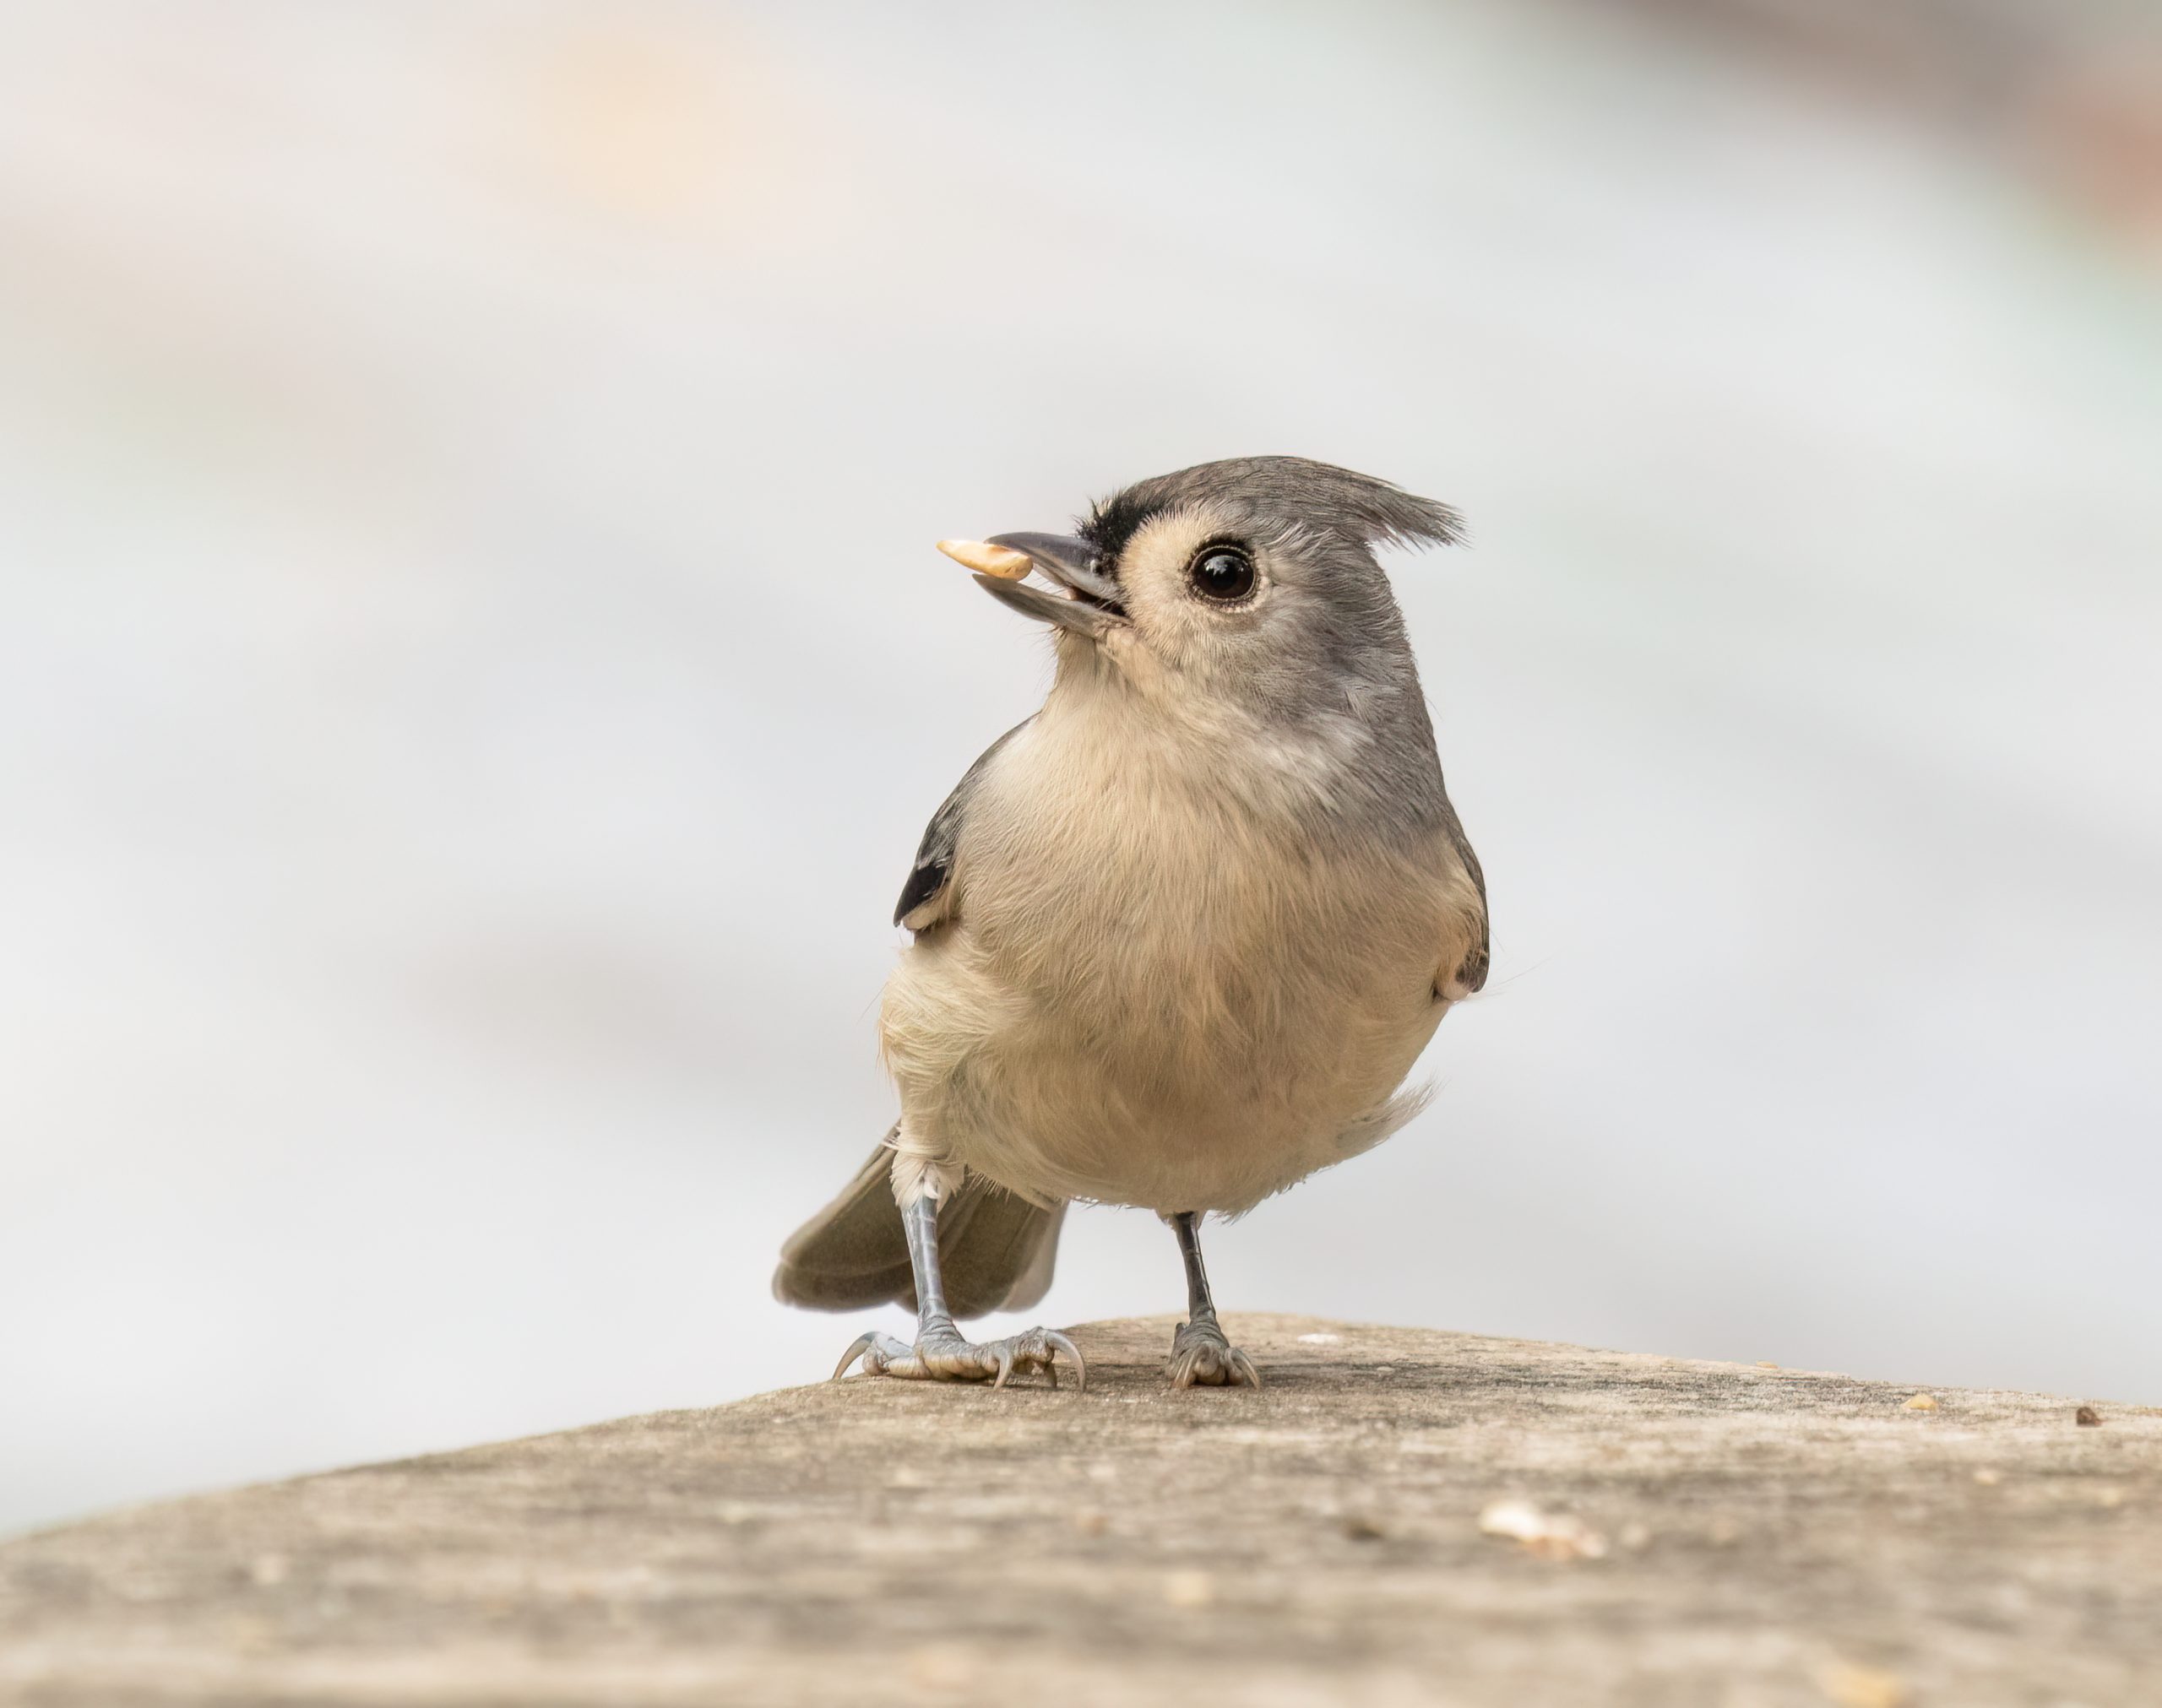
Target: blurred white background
x: 473, y: 669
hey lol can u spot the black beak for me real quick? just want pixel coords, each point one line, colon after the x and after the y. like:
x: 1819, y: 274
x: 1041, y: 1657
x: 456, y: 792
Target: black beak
x: 1092, y: 604
x: 1069, y: 562
x: 1060, y: 611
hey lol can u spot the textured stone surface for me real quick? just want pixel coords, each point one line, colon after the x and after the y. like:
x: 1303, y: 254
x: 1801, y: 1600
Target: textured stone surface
x: 1768, y: 1536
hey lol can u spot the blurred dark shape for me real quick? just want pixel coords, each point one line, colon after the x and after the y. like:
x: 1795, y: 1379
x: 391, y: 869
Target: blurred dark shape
x: 2094, y: 129
x: 2069, y: 91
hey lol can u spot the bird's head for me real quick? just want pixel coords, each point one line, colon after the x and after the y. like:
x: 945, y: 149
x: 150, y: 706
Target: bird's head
x: 1250, y: 581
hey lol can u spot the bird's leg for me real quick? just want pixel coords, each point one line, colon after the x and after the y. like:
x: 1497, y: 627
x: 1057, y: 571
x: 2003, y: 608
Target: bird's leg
x: 940, y: 1352
x: 1199, y: 1351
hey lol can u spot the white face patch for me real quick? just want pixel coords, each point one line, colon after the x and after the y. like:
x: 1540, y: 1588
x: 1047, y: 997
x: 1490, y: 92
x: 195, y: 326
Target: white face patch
x: 1222, y: 659
x: 1198, y: 635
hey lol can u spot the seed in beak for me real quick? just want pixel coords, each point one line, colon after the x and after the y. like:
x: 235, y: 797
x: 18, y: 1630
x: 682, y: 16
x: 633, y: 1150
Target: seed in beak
x: 1003, y: 561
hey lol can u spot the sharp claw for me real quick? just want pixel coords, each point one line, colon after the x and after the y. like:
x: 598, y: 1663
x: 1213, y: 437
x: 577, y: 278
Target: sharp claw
x: 1059, y: 1343
x: 861, y: 1346
x: 1209, y: 1360
x: 958, y: 1360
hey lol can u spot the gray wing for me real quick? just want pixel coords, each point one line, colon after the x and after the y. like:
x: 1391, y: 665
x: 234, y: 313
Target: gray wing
x: 1473, y: 974
x: 923, y: 896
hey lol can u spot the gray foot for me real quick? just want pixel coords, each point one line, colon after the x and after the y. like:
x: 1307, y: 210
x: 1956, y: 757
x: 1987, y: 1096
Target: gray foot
x: 1200, y: 1354
x: 942, y: 1355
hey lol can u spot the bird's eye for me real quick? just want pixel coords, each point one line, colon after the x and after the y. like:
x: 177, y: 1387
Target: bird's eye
x: 1223, y: 573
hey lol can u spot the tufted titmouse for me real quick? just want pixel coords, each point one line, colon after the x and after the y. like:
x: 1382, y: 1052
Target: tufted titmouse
x: 1179, y: 936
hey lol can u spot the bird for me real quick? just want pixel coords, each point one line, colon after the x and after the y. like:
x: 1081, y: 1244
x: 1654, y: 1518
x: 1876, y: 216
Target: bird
x: 1178, y: 938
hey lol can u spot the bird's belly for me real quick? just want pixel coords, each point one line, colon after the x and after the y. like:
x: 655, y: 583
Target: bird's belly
x: 1181, y: 1063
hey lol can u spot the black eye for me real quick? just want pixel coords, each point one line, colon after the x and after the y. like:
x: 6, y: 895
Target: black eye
x: 1221, y: 573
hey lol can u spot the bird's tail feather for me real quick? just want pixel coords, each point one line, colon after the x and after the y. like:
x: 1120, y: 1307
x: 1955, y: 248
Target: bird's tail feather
x: 995, y: 1251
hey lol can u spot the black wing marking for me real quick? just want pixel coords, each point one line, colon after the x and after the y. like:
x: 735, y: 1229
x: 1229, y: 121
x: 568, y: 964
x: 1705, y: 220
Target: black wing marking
x: 1472, y: 975
x: 934, y: 856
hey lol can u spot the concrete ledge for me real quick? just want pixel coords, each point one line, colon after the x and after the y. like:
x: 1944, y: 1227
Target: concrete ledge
x: 1671, y: 1532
